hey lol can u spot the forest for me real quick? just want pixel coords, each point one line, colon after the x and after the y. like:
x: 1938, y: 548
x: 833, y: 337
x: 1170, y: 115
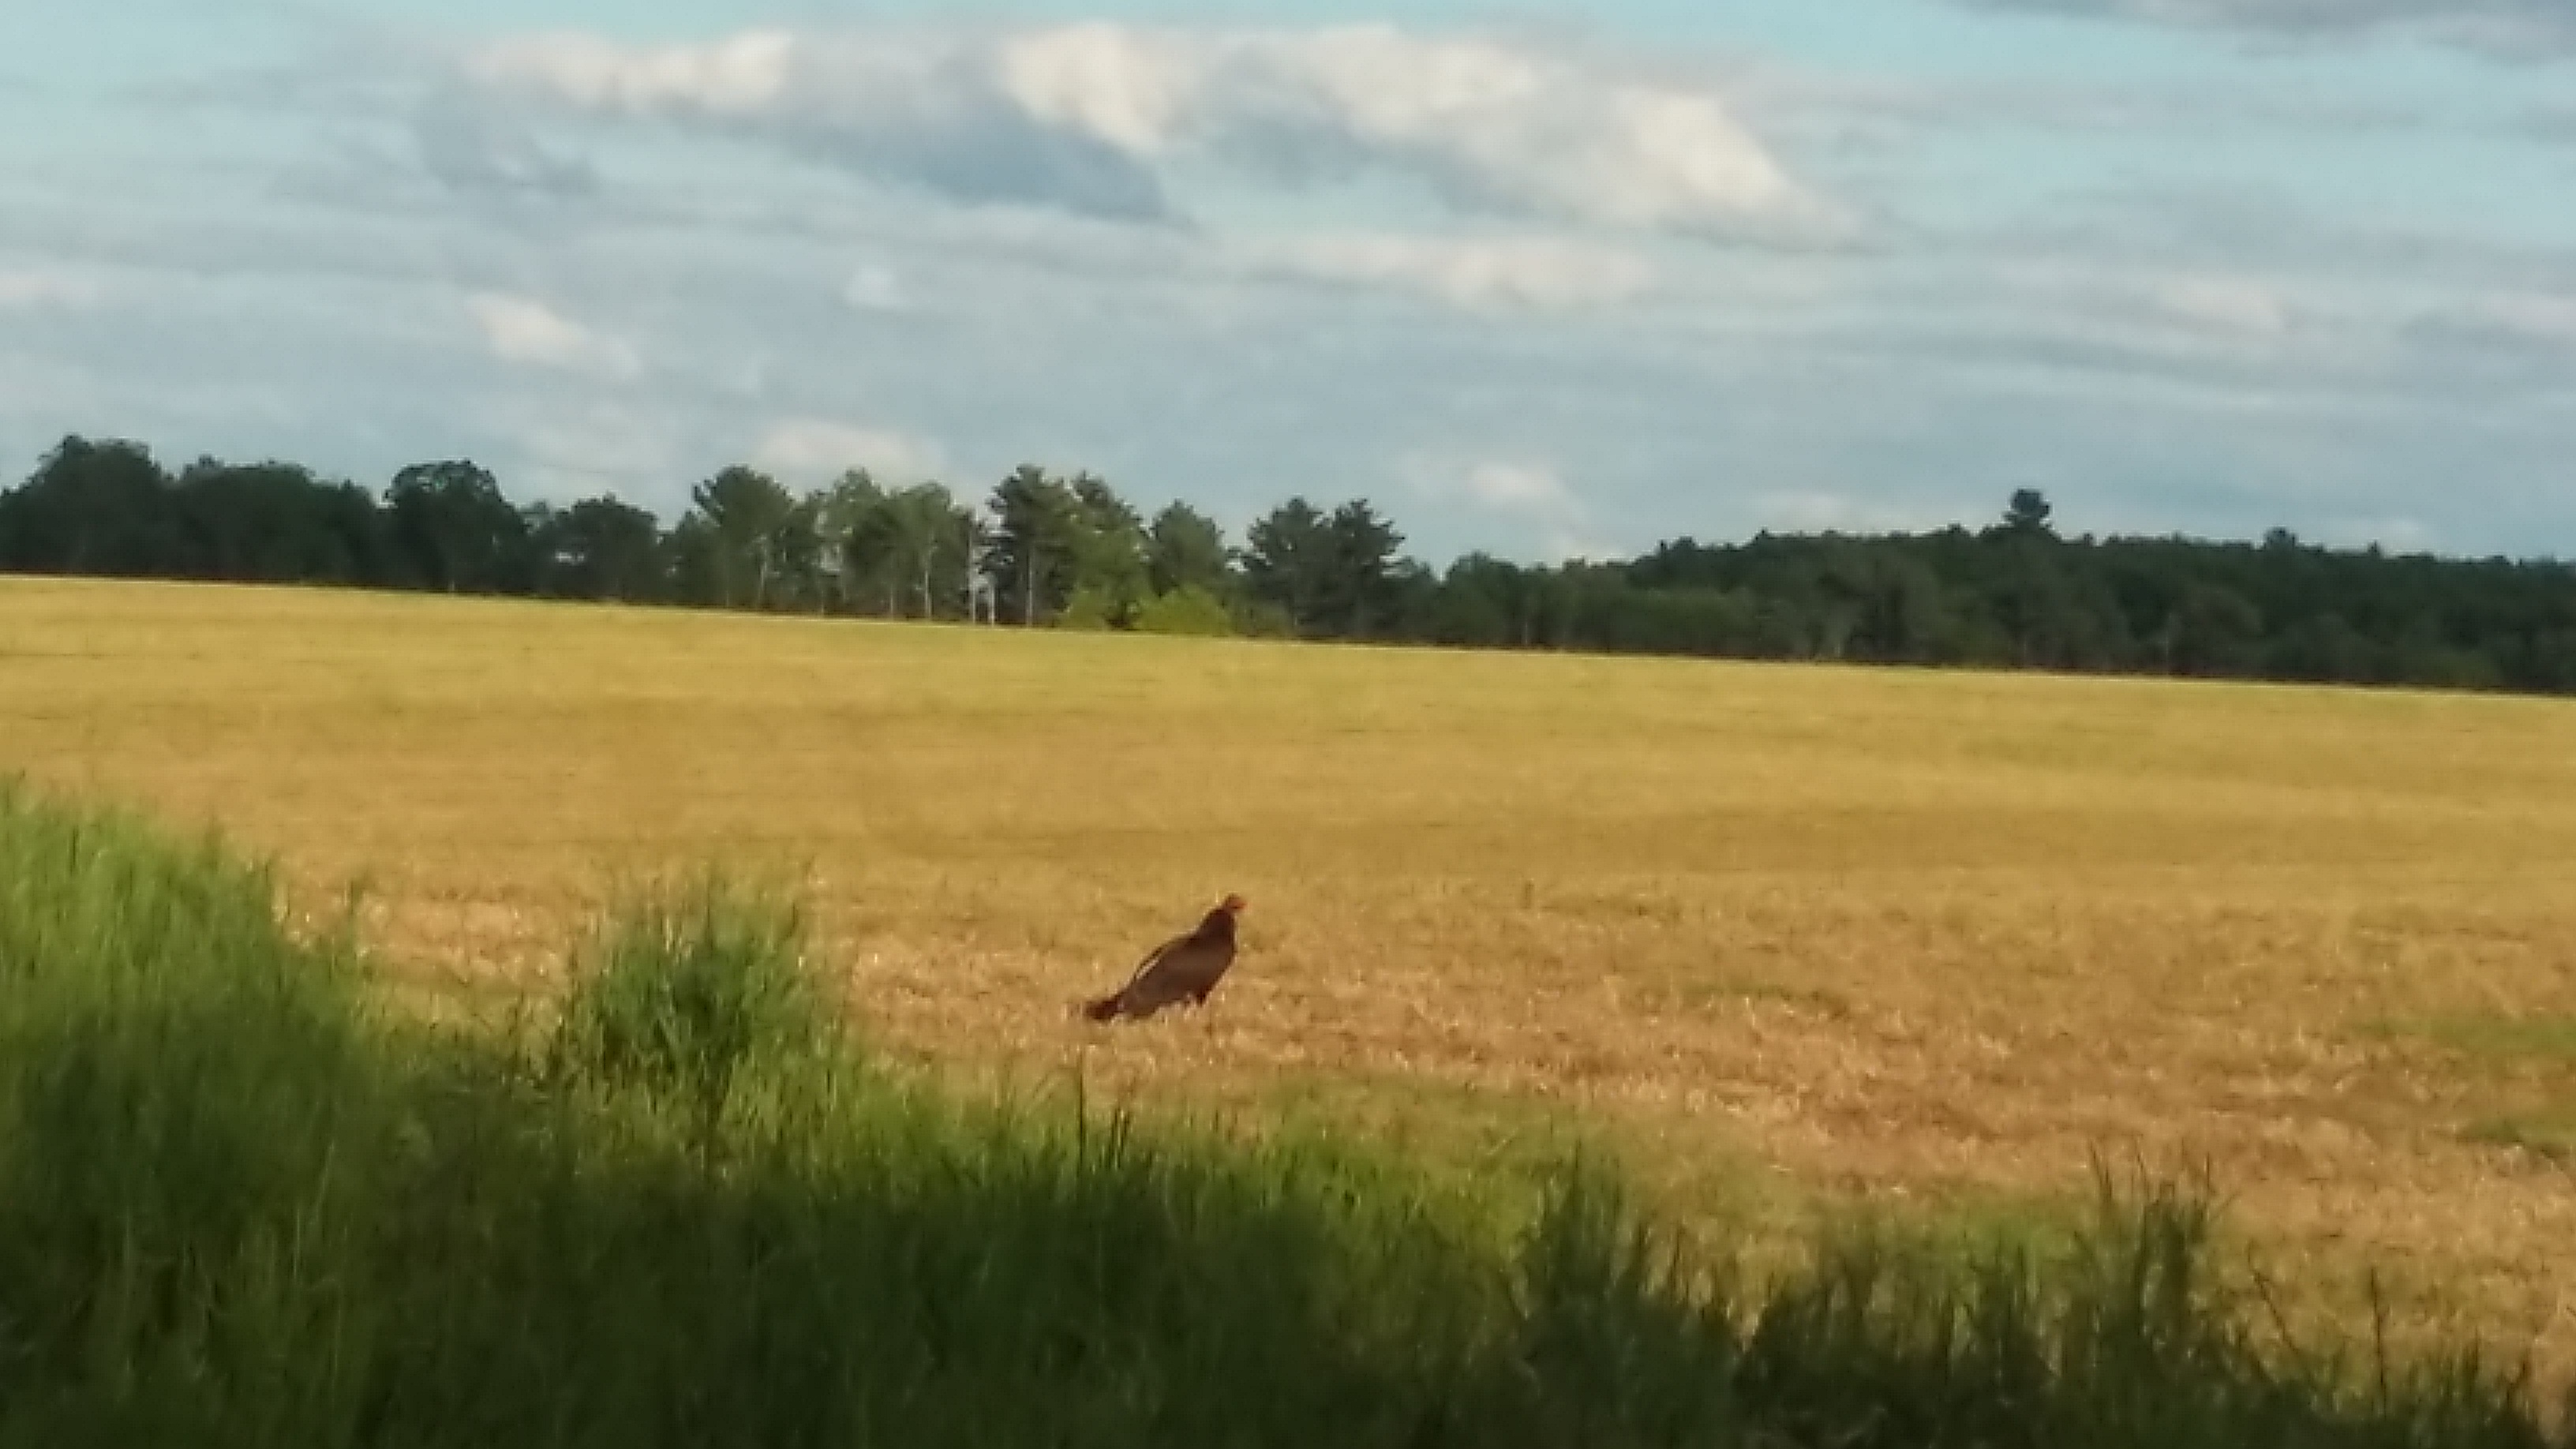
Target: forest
x: 1043, y: 550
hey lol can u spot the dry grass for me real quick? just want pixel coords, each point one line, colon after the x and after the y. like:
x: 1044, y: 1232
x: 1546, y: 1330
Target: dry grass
x: 1917, y: 935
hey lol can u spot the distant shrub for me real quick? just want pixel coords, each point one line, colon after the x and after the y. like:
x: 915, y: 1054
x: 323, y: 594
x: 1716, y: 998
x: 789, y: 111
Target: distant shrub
x: 1091, y: 609
x: 1188, y: 609
x: 1261, y: 619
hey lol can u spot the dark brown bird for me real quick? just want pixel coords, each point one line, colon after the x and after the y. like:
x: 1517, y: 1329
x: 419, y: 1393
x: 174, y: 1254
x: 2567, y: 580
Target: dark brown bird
x: 1184, y: 968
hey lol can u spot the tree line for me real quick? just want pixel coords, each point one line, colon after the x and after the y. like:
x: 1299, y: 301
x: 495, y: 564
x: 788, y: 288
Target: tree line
x: 1039, y: 549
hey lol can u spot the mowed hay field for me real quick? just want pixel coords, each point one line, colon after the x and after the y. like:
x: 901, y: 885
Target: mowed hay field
x: 1786, y: 934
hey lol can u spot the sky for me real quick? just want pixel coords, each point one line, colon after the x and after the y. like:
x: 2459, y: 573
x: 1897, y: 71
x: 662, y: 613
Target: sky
x: 1549, y: 280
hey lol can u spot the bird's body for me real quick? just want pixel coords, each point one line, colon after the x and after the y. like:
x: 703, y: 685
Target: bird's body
x: 1184, y: 968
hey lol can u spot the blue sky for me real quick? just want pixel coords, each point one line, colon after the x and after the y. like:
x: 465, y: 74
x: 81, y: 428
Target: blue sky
x: 1539, y: 279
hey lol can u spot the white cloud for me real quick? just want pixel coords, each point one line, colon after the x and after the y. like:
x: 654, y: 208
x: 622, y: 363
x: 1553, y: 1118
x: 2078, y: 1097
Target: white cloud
x: 2497, y: 341
x: 1129, y: 88
x: 2102, y: 338
x: 2499, y: 27
x: 739, y: 76
x: 1099, y: 117
x: 2226, y: 304
x: 1814, y: 510
x: 1524, y: 272
x: 524, y: 330
x: 2394, y: 534
x: 1532, y: 494
x: 875, y: 288
x: 1520, y: 488
x: 470, y: 148
x: 564, y: 448
x: 45, y: 287
x: 812, y: 449
x: 2532, y: 317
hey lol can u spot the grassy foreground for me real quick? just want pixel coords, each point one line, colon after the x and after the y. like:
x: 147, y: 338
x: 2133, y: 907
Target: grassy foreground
x: 240, y: 1205
x: 1786, y: 936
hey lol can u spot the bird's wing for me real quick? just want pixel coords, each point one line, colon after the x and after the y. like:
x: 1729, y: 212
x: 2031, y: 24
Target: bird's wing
x: 1153, y: 959
x: 1199, y: 968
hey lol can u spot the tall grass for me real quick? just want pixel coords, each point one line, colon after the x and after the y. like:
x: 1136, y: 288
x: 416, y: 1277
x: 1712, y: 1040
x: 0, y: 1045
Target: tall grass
x: 683, y: 992
x: 238, y: 1205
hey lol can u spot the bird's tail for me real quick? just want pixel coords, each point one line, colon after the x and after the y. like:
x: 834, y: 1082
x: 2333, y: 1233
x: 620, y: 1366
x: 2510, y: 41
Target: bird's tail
x: 1103, y: 1009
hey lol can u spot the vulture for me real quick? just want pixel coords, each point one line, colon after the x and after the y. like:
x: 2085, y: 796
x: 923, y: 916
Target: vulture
x: 1182, y: 968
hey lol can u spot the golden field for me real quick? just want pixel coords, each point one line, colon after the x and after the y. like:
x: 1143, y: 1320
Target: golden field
x: 1783, y: 932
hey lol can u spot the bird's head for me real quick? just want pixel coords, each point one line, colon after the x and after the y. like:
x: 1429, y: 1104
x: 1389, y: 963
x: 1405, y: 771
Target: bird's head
x: 1232, y: 905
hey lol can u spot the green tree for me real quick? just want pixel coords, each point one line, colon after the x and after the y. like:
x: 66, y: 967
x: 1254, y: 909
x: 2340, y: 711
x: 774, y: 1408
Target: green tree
x: 1037, y: 529
x: 2214, y: 630
x: 2044, y: 595
x: 1109, y: 549
x: 2324, y: 648
x: 453, y: 529
x: 697, y: 562
x: 1363, y: 584
x: 1334, y: 575
x: 850, y: 537
x: 752, y: 524
x: 1901, y: 608
x: 800, y: 576
x: 1072, y: 551
x: 1186, y: 550
x: 1288, y: 562
x: 2027, y: 514
x: 600, y: 548
x: 92, y: 507
x: 275, y: 523
x: 1484, y: 602
x: 916, y: 547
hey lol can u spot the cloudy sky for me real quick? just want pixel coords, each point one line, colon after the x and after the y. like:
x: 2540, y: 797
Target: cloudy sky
x: 1541, y: 278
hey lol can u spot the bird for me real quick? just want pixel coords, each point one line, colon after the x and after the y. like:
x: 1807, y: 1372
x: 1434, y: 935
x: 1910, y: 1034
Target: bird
x: 1184, y: 968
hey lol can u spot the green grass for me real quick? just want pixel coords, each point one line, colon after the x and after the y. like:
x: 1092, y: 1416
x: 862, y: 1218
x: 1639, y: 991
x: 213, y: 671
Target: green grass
x: 2549, y: 1136
x: 242, y: 1203
x: 2543, y: 1040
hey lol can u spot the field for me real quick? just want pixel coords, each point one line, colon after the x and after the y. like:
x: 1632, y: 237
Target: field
x: 1785, y: 935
